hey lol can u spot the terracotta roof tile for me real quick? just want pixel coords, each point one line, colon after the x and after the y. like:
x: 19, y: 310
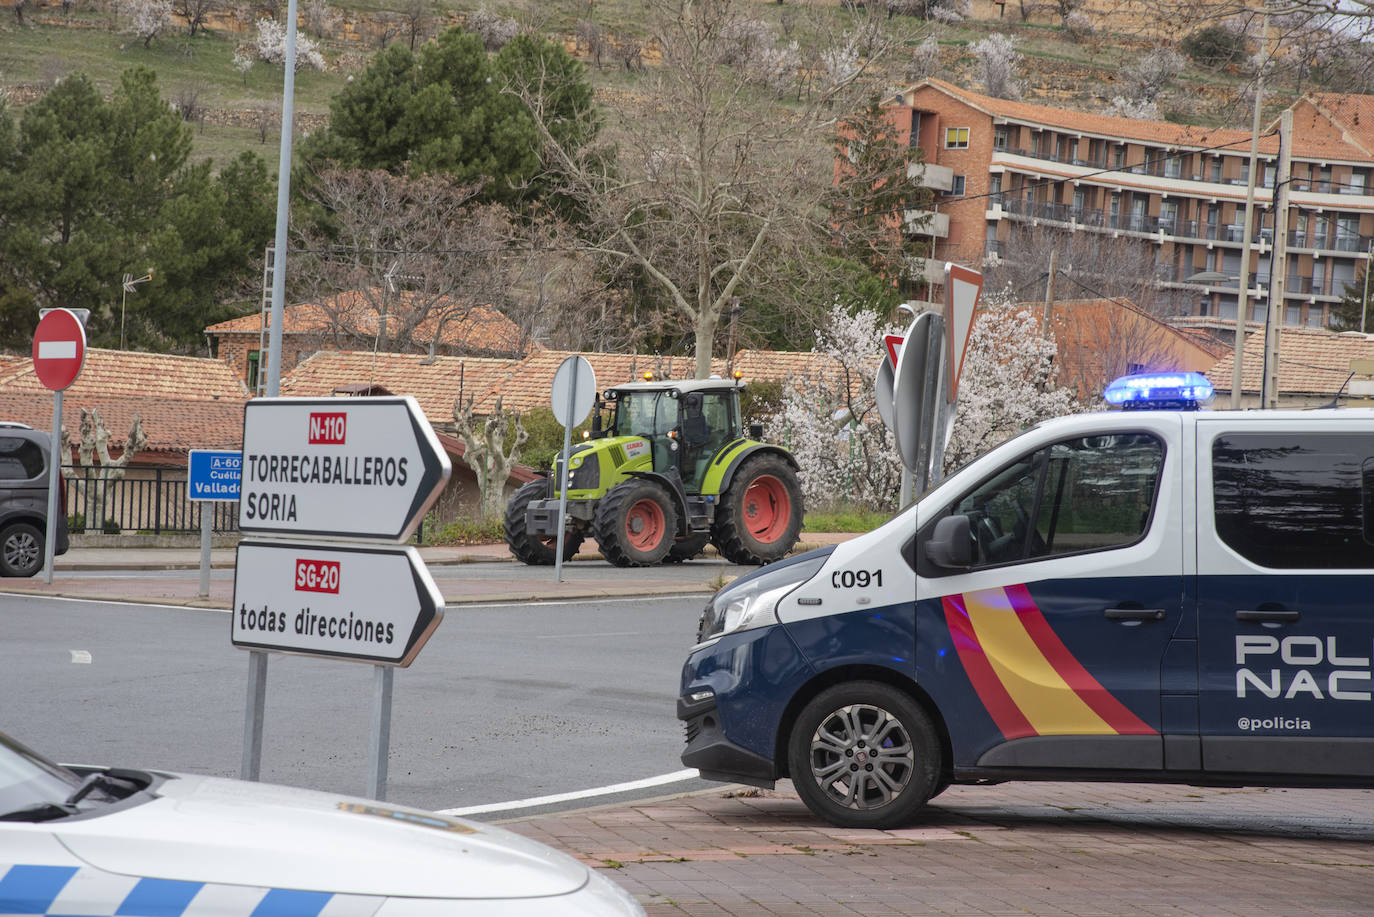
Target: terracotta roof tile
x: 1100, y: 339
x: 434, y: 385
x: 1312, y: 137
x: 121, y: 373
x: 482, y: 329
x: 1311, y: 361
x: 172, y: 425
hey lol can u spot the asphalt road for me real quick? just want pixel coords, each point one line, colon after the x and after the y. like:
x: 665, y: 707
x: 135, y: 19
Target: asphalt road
x: 506, y: 702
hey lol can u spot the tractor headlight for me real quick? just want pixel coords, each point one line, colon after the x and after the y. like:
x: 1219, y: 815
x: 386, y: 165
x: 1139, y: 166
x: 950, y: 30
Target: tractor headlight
x: 753, y: 602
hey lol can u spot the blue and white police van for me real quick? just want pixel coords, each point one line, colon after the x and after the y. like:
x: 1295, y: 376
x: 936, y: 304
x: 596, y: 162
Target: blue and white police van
x: 1170, y: 595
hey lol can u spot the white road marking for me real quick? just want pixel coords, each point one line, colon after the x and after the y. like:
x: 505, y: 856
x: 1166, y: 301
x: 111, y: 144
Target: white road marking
x: 662, y: 779
x: 80, y: 657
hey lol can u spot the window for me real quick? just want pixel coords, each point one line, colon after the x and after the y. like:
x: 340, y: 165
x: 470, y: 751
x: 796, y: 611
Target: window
x: 956, y: 138
x: 254, y: 358
x: 1119, y: 158
x: 995, y: 188
x: 1216, y: 169
x: 999, y: 138
x: 1173, y: 166
x: 957, y: 188
x: 1087, y: 494
x: 1296, y: 500
x: 20, y: 459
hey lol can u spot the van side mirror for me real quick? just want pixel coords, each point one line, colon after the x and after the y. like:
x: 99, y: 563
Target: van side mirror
x: 950, y: 546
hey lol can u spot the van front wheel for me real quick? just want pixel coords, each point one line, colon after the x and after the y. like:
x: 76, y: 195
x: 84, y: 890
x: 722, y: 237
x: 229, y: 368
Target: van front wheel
x: 864, y: 755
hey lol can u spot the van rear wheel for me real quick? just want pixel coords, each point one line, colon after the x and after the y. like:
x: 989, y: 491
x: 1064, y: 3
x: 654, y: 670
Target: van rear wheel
x: 864, y: 755
x: 21, y: 550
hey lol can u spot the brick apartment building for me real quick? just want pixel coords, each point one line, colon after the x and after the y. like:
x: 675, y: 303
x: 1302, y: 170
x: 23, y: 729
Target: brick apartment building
x: 1006, y: 168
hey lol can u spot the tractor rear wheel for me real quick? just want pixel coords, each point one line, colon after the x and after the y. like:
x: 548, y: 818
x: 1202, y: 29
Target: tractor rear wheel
x: 760, y: 513
x: 687, y: 547
x: 536, y: 550
x: 636, y: 523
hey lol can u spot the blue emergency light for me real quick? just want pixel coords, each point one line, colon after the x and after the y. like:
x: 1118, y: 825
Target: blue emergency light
x: 1183, y: 391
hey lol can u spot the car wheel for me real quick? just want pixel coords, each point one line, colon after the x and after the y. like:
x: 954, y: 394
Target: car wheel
x: 537, y: 550
x: 21, y: 550
x: 864, y: 755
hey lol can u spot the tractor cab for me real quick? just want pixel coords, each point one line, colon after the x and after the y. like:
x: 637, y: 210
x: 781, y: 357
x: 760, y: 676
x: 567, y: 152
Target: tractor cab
x: 685, y: 423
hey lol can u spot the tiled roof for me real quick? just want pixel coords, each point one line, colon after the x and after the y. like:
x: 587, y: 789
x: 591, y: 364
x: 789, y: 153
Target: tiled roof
x: 480, y: 329
x: 527, y: 385
x: 172, y: 426
x: 434, y: 385
x: 1100, y: 339
x: 1312, y: 137
x: 1311, y: 361
x: 120, y: 373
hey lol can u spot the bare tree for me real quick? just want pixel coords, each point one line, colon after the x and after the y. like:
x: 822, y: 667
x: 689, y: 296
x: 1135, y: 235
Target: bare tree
x: 92, y: 489
x: 320, y: 18
x: 196, y: 12
x: 399, y: 259
x: 417, y: 16
x: 484, y: 451
x: 709, y: 175
x: 591, y: 39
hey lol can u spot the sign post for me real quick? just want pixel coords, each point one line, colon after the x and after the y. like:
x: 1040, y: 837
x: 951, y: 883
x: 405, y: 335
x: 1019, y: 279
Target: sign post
x: 341, y: 468
x: 211, y: 477
x: 59, y: 352
x: 574, y: 391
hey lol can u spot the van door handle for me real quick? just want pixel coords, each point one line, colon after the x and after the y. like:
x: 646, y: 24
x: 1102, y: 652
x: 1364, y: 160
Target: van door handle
x: 1134, y: 614
x: 1288, y: 616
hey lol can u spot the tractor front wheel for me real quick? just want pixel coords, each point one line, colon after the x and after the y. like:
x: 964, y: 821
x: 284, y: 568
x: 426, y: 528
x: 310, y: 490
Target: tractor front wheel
x: 760, y: 513
x: 635, y: 524
x: 536, y: 550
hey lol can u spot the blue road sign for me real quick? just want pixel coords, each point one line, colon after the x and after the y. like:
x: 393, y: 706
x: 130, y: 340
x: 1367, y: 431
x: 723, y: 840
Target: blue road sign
x: 214, y: 475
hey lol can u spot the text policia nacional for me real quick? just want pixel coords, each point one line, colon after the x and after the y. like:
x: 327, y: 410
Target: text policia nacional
x: 341, y: 471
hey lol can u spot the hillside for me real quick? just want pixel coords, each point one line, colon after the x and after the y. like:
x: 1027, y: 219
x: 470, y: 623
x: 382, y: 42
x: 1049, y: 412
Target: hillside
x: 233, y: 111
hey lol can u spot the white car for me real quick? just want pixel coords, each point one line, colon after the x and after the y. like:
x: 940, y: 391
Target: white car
x: 106, y: 841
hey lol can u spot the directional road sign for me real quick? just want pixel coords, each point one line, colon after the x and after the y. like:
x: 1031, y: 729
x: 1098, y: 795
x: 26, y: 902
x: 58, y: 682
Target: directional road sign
x: 363, y: 603
x: 338, y: 467
x: 59, y: 348
x: 962, y: 286
x: 213, y: 475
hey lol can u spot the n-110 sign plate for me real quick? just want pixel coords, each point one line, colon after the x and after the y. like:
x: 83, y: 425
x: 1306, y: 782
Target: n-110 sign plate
x: 338, y: 467
x: 366, y: 604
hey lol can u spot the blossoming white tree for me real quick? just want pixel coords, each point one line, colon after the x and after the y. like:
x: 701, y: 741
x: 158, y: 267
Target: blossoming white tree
x: 147, y: 18
x: 271, y: 46
x: 829, y: 422
x: 1008, y: 382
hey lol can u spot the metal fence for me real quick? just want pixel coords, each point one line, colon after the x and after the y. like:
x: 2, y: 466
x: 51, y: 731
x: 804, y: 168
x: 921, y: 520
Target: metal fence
x: 139, y: 505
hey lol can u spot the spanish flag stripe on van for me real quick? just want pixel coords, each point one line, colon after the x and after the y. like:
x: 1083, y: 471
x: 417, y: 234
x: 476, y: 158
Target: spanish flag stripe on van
x: 1009, y: 719
x: 1115, y: 713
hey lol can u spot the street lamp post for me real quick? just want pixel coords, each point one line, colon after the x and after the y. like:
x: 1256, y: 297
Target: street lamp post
x: 130, y: 283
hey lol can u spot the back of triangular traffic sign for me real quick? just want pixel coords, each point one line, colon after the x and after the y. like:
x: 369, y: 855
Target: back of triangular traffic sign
x: 962, y: 287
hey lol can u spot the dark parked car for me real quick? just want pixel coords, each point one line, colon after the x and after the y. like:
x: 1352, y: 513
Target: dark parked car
x: 24, y: 456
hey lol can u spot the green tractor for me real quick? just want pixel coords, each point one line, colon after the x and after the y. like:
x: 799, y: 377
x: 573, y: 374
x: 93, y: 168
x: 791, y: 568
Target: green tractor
x: 667, y: 469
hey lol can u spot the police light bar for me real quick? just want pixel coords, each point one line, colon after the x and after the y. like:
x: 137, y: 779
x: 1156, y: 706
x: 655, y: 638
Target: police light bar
x: 1151, y: 391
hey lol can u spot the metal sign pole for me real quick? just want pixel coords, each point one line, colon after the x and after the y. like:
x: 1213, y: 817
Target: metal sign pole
x: 563, y: 476
x: 206, y: 521
x: 379, y: 746
x: 252, y: 722
x: 54, y: 478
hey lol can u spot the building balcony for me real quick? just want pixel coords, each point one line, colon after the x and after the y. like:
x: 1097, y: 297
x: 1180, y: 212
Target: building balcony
x: 936, y: 178
x: 927, y: 223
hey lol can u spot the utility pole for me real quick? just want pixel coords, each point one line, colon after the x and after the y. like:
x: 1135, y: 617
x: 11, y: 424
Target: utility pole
x: 1242, y: 298
x: 1269, y: 397
x: 1049, y: 293
x: 1364, y: 300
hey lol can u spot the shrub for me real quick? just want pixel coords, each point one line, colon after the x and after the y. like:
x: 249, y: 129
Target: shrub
x: 1215, y: 46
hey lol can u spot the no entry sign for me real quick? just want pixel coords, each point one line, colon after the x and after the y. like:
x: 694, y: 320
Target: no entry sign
x: 59, y: 349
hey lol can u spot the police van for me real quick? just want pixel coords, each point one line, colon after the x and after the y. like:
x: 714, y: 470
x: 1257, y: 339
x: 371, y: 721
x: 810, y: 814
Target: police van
x: 1170, y: 595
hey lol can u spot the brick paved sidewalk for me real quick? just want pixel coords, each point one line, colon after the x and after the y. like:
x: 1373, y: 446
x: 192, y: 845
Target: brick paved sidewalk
x: 1027, y: 848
